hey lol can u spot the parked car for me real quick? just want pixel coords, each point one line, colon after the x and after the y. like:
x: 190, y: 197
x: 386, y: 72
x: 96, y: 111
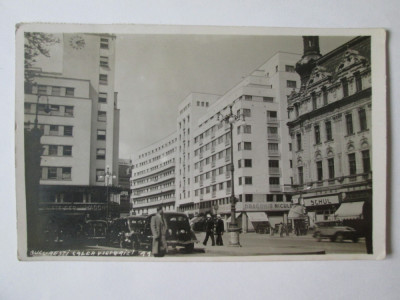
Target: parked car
x: 198, y: 224
x: 96, y: 230
x: 335, y: 231
x: 121, y: 229
x: 179, y: 232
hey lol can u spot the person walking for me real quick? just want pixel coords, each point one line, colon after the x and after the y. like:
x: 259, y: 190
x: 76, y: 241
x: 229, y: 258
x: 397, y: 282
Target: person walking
x: 281, y: 229
x: 219, y: 230
x: 209, y: 230
x: 159, y: 230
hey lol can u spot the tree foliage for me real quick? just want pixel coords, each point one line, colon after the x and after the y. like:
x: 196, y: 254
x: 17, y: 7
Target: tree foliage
x: 36, y: 43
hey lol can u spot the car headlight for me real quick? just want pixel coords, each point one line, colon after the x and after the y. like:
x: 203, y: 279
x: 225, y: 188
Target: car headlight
x: 182, y: 231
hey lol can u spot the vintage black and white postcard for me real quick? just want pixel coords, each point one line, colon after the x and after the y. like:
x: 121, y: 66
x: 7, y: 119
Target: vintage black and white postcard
x: 185, y: 143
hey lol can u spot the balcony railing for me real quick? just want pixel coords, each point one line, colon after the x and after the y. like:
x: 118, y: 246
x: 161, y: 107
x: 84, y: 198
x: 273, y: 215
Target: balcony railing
x: 228, y: 191
x: 227, y: 175
x: 274, y: 171
x: 212, y: 149
x: 213, y: 194
x: 272, y: 120
x: 213, y: 164
x: 274, y: 187
x: 201, y: 155
x: 227, y: 142
x: 227, y: 158
x: 272, y: 136
x: 273, y: 153
x: 213, y: 179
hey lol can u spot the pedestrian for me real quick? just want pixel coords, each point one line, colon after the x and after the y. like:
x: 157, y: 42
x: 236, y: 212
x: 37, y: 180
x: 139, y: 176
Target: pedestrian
x: 281, y: 229
x: 159, y: 230
x: 209, y: 230
x: 219, y: 229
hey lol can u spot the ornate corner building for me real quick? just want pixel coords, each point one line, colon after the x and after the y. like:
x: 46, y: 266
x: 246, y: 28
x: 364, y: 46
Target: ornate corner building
x: 330, y: 127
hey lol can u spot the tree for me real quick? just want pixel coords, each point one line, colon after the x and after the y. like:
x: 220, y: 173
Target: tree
x: 36, y: 43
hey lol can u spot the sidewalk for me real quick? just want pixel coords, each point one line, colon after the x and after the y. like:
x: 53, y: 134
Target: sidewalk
x: 262, y: 244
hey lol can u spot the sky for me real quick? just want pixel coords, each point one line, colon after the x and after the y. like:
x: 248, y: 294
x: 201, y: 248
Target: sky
x: 154, y: 73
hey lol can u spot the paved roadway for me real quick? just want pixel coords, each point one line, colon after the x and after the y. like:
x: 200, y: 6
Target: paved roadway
x: 262, y: 244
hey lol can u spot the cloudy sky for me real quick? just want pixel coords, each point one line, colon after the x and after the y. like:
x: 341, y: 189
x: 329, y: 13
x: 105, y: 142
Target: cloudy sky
x: 154, y: 73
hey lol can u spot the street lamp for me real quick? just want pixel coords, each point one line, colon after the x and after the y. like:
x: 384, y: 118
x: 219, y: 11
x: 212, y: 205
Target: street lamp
x: 233, y: 227
x: 108, y: 180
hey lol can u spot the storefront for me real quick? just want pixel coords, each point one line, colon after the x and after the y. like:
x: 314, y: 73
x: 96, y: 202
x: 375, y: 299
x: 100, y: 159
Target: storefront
x: 321, y: 208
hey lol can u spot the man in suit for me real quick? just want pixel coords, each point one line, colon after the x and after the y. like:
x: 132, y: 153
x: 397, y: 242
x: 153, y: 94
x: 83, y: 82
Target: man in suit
x: 219, y: 230
x: 209, y: 230
x: 159, y: 230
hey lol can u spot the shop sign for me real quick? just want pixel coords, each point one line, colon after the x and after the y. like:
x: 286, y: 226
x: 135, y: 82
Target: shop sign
x: 327, y: 200
x: 266, y: 206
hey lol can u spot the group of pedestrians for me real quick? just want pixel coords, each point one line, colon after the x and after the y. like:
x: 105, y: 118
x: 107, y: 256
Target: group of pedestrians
x: 214, y: 226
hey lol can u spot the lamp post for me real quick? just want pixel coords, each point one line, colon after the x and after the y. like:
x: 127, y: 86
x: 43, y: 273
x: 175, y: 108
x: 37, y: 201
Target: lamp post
x: 233, y: 228
x: 108, y: 180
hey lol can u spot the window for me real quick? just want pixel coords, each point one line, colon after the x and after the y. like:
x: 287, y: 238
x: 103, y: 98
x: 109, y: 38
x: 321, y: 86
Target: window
x: 274, y: 180
x: 102, y: 116
x: 317, y: 134
x: 27, y: 108
x: 296, y: 108
x: 291, y: 163
x: 67, y: 150
x: 273, y: 147
x: 248, y: 180
x: 248, y: 97
x: 53, y: 130
x: 273, y: 163
x: 268, y: 99
x: 345, y: 87
x: 101, y: 135
x: 349, y: 124
x: 239, y: 146
x: 272, y: 115
x: 314, y: 101
x: 100, y: 175
x: 276, y: 68
x: 246, y: 112
x: 100, y: 153
x: 366, y: 161
x: 270, y: 198
x: 279, y: 198
x: 289, y: 69
x: 291, y: 84
x: 363, y: 119
x: 68, y: 130
x: 358, y: 81
x: 103, y: 97
x: 319, y: 170
x: 238, y: 129
x: 290, y: 146
x: 66, y: 173
x: 55, y: 90
x: 51, y: 173
x: 104, y: 61
x: 103, y: 78
x: 300, y: 174
x: 331, y: 168
x: 42, y: 90
x: 53, y: 150
x: 298, y: 140
x: 272, y: 130
x: 240, y: 180
x: 352, y: 164
x: 69, y: 111
x: 247, y: 129
x: 248, y: 197
x: 239, y: 163
x: 247, y: 145
x: 103, y: 43
x: 69, y: 91
x: 247, y: 163
x: 220, y: 170
x: 206, y: 104
x: 328, y: 129
x: 324, y: 95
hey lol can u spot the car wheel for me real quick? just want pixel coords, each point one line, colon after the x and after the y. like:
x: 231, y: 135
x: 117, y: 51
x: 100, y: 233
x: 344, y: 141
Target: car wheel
x: 189, y: 248
x: 339, y: 237
x: 318, y: 236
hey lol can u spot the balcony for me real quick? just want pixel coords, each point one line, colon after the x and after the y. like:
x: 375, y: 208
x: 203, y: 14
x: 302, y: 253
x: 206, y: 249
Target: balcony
x: 201, y: 197
x: 213, y: 164
x: 274, y: 171
x: 201, y: 155
x: 272, y: 136
x: 227, y: 175
x: 274, y: 153
x: 227, y: 158
x: 228, y: 191
x: 213, y: 179
x: 214, y: 194
x: 212, y: 149
x: 272, y: 120
x: 201, y: 182
x: 227, y: 143
x: 275, y: 188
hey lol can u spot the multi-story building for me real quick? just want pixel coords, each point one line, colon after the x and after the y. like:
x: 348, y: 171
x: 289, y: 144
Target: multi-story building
x: 153, y: 177
x: 261, y: 144
x: 77, y: 113
x: 330, y: 122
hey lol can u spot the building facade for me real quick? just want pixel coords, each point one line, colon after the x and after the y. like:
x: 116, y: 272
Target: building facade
x: 76, y: 111
x: 260, y: 143
x: 153, y: 177
x: 330, y: 122
x: 124, y: 177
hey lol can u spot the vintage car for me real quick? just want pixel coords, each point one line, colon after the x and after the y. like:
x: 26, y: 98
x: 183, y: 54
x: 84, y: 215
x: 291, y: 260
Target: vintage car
x: 96, y: 231
x: 121, y: 229
x: 179, y: 233
x: 335, y: 231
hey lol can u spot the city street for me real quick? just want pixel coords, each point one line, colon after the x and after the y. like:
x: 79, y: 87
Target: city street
x: 252, y: 245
